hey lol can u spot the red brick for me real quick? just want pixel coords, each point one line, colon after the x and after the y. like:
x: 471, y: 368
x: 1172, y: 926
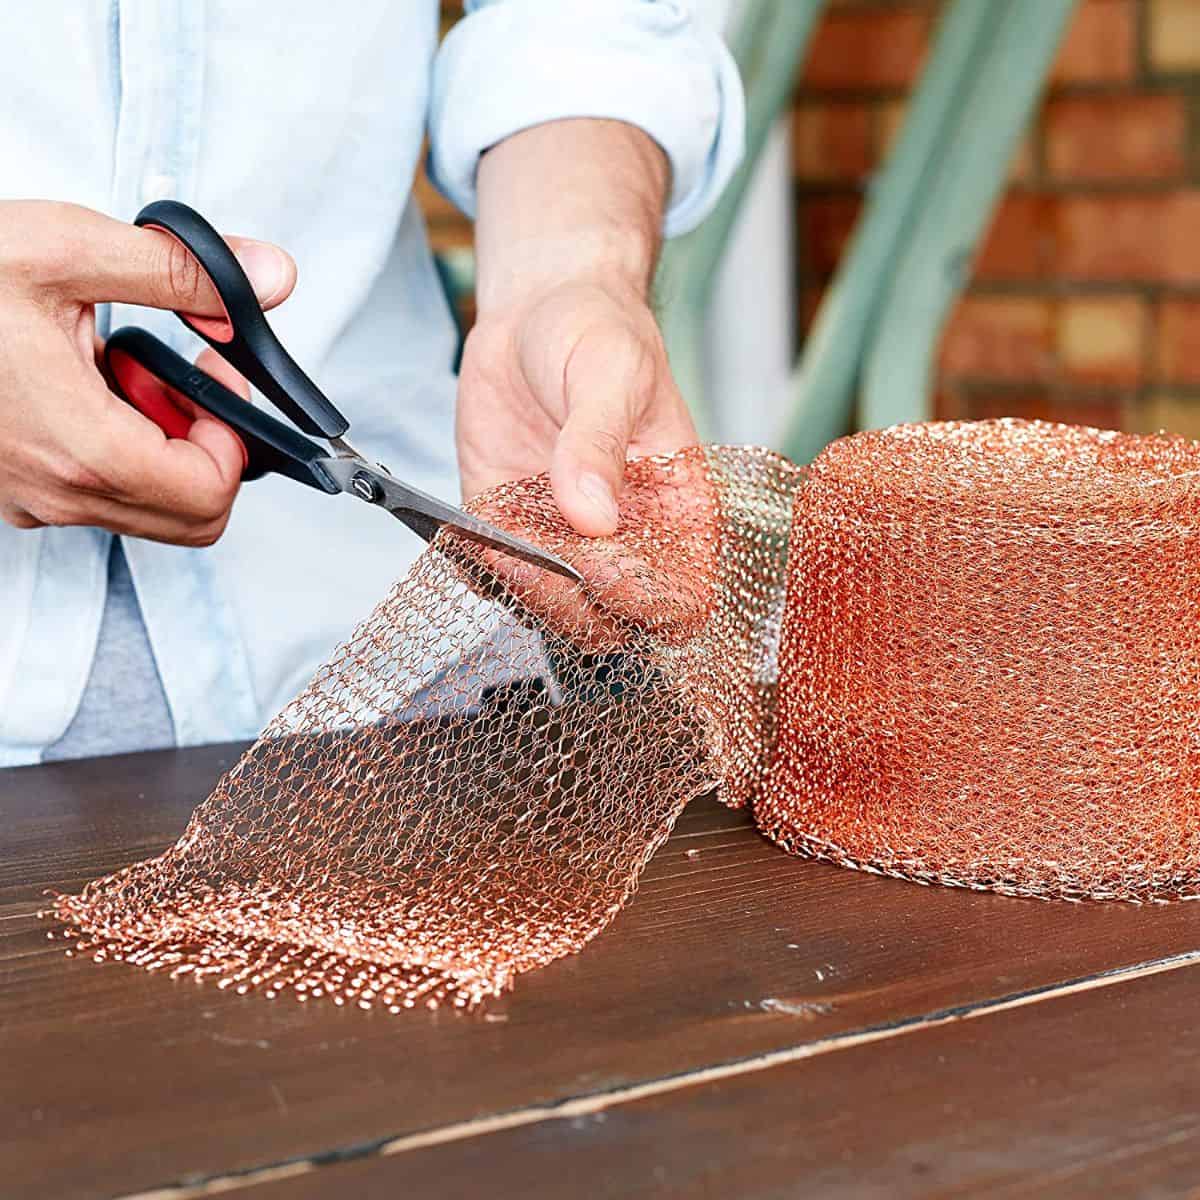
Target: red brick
x: 1174, y: 29
x: 445, y: 236
x: 1101, y: 339
x: 1165, y: 412
x: 1125, y: 136
x: 1100, y: 44
x: 1103, y: 411
x: 1111, y: 237
x: 1020, y: 242
x: 983, y: 406
x: 1177, y: 349
x: 434, y: 205
x: 832, y: 141
x: 1181, y: 243
x: 826, y: 223
x: 448, y: 228
x: 867, y: 48
x: 947, y: 405
x: 1130, y: 237
x: 1000, y: 337
x: 889, y: 117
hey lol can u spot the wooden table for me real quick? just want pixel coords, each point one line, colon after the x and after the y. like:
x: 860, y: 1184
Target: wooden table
x: 753, y: 1025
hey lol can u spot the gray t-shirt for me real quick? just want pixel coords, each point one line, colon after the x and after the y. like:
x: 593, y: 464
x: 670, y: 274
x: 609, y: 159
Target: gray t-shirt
x: 123, y: 707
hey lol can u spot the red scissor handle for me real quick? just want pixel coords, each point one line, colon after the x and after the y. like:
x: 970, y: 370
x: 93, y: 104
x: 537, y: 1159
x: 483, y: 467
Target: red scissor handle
x: 164, y: 387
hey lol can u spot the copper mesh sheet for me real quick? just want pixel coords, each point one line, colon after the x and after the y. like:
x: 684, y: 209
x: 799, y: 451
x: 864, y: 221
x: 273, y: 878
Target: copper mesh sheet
x: 978, y: 664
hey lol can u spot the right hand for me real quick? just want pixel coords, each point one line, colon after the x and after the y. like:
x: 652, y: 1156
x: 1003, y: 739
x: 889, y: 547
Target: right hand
x: 72, y: 453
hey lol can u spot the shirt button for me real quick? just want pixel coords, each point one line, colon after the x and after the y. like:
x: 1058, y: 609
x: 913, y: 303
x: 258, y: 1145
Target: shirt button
x: 156, y: 186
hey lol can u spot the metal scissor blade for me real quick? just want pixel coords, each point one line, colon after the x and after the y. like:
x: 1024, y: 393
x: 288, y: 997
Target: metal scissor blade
x: 425, y: 514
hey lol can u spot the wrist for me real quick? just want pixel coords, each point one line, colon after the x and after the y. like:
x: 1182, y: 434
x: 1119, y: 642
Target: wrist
x: 567, y: 202
x: 619, y: 261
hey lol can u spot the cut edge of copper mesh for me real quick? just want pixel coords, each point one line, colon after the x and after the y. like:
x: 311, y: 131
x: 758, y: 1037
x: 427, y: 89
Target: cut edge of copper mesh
x: 972, y: 668
x: 471, y: 786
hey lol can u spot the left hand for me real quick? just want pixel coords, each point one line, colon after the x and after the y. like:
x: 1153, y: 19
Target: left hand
x: 572, y: 379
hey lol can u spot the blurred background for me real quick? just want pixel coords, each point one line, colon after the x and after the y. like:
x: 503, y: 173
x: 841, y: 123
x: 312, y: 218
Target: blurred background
x: 1080, y: 298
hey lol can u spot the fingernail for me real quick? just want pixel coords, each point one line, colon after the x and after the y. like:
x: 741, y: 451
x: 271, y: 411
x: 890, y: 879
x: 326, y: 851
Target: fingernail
x: 264, y: 267
x: 594, y: 489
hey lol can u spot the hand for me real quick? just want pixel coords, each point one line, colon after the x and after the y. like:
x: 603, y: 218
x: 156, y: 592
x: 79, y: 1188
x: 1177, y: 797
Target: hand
x: 659, y: 576
x: 72, y: 453
x: 565, y: 370
x: 572, y: 380
x: 575, y: 381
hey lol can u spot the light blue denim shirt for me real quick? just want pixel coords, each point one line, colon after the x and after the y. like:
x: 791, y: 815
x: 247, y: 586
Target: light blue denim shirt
x: 301, y: 122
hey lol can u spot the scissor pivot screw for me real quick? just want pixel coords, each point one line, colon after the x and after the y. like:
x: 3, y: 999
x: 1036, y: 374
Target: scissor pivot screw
x: 366, y: 488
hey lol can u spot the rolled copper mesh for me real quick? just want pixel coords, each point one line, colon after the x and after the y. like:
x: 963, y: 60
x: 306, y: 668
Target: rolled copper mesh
x: 990, y: 671
x: 987, y: 671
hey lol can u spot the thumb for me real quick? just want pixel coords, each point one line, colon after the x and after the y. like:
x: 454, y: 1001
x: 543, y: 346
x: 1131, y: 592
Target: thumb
x: 588, y: 465
x: 109, y: 260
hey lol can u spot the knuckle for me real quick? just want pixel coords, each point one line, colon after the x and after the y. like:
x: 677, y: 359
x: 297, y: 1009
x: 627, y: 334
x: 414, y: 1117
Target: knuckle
x: 183, y: 274
x: 642, y: 363
x: 214, y: 512
x: 214, y: 506
x: 205, y: 534
x: 59, y: 510
x: 208, y: 510
x: 606, y: 443
x: 18, y: 518
x: 76, y: 474
x: 623, y: 353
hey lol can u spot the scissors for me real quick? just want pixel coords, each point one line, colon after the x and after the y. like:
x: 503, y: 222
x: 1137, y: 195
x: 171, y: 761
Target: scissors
x: 147, y: 374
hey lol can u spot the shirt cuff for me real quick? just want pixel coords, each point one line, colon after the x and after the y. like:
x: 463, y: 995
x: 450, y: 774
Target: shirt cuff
x: 511, y: 64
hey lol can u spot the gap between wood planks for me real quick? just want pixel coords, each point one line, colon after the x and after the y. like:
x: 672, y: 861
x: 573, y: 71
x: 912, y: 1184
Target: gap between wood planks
x: 594, y: 1102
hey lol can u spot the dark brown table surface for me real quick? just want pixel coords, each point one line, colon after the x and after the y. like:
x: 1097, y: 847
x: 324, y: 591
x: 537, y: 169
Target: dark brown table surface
x: 753, y: 1025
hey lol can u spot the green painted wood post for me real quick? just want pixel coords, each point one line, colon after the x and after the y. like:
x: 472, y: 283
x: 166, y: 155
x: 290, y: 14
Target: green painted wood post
x: 827, y: 378
x: 768, y: 44
x: 971, y: 173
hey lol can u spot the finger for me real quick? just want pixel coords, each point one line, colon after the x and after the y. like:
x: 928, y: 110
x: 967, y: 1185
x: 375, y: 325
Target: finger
x: 103, y: 513
x: 208, y: 431
x: 221, y: 444
x: 666, y: 427
x: 97, y: 259
x: 199, y: 426
x: 19, y: 518
x: 191, y: 482
x: 211, y: 363
x: 587, y: 467
x: 659, y: 575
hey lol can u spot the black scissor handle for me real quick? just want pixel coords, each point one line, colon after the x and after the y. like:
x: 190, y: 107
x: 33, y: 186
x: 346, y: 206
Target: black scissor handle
x: 149, y: 375
x: 243, y: 338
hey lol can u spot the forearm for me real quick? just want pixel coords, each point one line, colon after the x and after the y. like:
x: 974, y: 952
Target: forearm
x: 568, y: 200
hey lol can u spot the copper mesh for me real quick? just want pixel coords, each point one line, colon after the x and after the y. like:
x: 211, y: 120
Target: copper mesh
x: 988, y: 675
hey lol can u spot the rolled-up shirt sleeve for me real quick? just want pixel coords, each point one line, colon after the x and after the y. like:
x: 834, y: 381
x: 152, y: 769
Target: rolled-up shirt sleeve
x: 511, y: 64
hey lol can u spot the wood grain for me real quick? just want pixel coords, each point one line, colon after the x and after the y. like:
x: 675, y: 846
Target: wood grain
x: 1096, y: 1093
x: 116, y: 1081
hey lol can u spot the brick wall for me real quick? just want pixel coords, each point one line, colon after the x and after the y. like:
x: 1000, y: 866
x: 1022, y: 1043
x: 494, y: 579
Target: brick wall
x: 1085, y: 301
